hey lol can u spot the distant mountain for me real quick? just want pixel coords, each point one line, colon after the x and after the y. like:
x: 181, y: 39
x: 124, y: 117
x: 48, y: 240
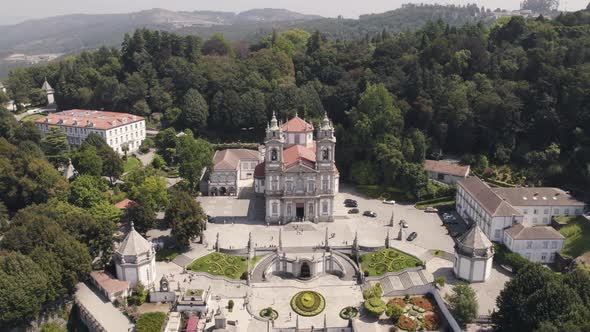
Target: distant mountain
x: 69, y: 33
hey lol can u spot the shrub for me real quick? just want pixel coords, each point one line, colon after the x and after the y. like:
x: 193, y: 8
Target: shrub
x: 440, y: 281
x: 406, y: 323
x: 348, y: 313
x: 269, y: 313
x: 394, y: 312
x: 146, y: 145
x: 308, y: 303
x: 375, y: 306
x: 230, y: 305
x: 505, y: 257
x: 158, y: 162
x: 375, y: 291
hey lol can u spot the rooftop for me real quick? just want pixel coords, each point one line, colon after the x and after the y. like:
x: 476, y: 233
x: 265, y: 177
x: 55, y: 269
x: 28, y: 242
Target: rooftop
x: 229, y: 159
x: 125, y: 204
x: 134, y: 244
x: 488, y: 199
x: 107, y: 282
x: 537, y: 196
x: 109, y: 317
x: 446, y: 167
x: 474, y: 243
x: 519, y: 232
x: 296, y: 152
x: 296, y: 124
x: 90, y: 119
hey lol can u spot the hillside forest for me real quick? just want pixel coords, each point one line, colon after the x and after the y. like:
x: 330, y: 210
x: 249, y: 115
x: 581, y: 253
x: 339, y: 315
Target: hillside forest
x: 512, y: 98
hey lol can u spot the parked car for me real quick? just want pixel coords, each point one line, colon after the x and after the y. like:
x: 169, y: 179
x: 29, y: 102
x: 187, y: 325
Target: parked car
x: 412, y: 236
x: 348, y: 200
x: 450, y: 221
x: 351, y: 204
x: 404, y: 224
x: 390, y: 202
x: 353, y: 211
x: 370, y: 214
x: 431, y: 209
x: 210, y: 219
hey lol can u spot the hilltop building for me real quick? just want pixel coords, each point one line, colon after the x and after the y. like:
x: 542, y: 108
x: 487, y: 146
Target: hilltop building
x: 135, y: 260
x: 298, y: 177
x: 49, y: 92
x: 446, y: 171
x: 119, y: 130
x: 517, y: 217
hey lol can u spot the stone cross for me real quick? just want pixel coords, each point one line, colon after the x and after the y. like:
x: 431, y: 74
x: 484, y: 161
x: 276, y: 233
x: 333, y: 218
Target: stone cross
x: 391, y: 222
x: 217, y: 242
x: 387, y: 240
x: 326, y: 243
x: 280, y: 239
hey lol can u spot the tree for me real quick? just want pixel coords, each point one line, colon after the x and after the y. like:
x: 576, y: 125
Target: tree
x: 87, y: 191
x: 142, y: 215
x: 152, y: 191
x: 112, y: 165
x: 194, y: 110
x: 86, y: 161
x: 185, y: 216
x: 193, y: 156
x: 23, y: 287
x: 158, y: 162
x: 463, y: 304
x: 56, y: 148
x: 216, y: 45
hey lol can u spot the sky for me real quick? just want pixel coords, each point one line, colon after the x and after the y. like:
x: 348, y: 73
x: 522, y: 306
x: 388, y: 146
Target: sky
x: 13, y: 11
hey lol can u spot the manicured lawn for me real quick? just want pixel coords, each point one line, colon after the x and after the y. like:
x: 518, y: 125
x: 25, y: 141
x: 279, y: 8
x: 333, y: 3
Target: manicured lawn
x: 32, y: 117
x: 131, y: 163
x: 151, y: 322
x: 387, y: 260
x: 577, y: 235
x: 222, y: 264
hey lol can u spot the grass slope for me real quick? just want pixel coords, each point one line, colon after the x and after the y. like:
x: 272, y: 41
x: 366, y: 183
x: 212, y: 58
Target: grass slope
x: 577, y: 235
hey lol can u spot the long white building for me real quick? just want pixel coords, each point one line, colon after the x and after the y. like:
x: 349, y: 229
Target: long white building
x: 117, y: 129
x: 513, y: 215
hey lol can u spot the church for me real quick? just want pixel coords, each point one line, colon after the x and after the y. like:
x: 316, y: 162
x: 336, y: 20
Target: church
x: 298, y: 177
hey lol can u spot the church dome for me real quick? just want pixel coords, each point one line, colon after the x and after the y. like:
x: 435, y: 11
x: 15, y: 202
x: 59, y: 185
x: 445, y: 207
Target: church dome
x: 474, y: 243
x: 133, y: 246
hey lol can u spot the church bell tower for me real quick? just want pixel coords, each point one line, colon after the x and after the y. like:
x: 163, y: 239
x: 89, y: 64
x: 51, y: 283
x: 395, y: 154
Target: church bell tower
x: 325, y: 145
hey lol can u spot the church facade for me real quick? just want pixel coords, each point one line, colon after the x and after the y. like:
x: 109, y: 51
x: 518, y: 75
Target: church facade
x: 298, y: 177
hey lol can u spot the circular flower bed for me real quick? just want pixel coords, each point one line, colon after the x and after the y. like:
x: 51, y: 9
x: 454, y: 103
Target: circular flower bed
x: 406, y: 323
x: 422, y: 302
x: 308, y: 303
x: 348, y: 313
x: 431, y: 322
x: 397, y: 300
x: 269, y: 313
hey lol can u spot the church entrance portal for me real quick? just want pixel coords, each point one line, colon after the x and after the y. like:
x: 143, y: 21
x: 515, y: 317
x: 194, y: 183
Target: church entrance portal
x: 305, y: 271
x: 300, y: 211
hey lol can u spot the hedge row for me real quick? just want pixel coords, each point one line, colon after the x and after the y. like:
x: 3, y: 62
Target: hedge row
x: 504, y: 256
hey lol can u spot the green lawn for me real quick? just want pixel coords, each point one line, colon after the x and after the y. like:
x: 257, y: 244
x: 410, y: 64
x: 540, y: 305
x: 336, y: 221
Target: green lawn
x: 577, y: 235
x: 387, y: 260
x: 32, y: 117
x: 151, y: 322
x: 223, y: 265
x: 131, y: 163
x: 437, y: 202
x: 167, y: 254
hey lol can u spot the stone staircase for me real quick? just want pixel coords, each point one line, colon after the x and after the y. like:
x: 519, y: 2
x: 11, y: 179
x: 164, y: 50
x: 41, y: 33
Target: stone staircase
x: 401, y: 283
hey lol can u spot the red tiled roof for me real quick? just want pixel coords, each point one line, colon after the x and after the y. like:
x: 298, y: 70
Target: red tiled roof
x: 228, y: 159
x: 90, y: 119
x: 260, y: 170
x: 125, y: 204
x: 296, y: 124
x: 446, y: 167
x: 108, y: 282
x: 191, y: 325
x: 296, y: 152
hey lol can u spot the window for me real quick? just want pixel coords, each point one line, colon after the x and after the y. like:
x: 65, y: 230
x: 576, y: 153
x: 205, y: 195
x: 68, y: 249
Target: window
x: 535, y: 220
x: 545, y: 244
x: 311, y: 186
x: 274, y: 184
x: 555, y: 211
x: 299, y: 184
x: 310, y: 209
x: 325, y: 207
x: 274, y: 155
x: 535, y: 211
x: 552, y: 257
x: 440, y: 176
x: 543, y: 257
x: 566, y: 211
x: 289, y: 185
x: 497, y: 233
x: 275, y: 208
x: 325, y: 184
x: 529, y: 244
x: 325, y: 154
x: 546, y: 211
x: 525, y: 211
x: 553, y: 244
x: 289, y: 210
x: 545, y: 220
x: 578, y: 211
x: 297, y: 139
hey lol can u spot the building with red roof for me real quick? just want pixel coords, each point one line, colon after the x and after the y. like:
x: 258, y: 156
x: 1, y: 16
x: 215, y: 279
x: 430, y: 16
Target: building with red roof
x: 298, y: 177
x: 121, y: 131
x: 109, y: 286
x: 125, y: 204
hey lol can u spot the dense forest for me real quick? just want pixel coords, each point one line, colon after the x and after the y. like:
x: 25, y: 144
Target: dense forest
x: 513, y: 94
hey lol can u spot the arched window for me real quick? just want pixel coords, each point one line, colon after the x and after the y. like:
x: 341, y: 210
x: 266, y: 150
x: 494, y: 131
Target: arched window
x: 274, y: 155
x: 326, y: 154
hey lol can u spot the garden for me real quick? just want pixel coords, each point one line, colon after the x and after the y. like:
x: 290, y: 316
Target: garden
x: 308, y: 303
x: 387, y: 260
x: 413, y: 313
x: 151, y: 322
x: 576, y: 230
x: 233, y: 267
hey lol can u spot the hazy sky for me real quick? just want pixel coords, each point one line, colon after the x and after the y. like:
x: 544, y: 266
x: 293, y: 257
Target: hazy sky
x: 18, y: 10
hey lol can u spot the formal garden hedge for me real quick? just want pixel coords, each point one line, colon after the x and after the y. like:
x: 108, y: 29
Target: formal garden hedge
x: 387, y: 260
x: 151, y: 322
x: 222, y: 264
x: 269, y: 313
x: 349, y: 313
x: 308, y: 303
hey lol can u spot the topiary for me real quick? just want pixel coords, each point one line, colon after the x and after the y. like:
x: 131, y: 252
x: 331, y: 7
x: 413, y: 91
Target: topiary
x: 375, y: 306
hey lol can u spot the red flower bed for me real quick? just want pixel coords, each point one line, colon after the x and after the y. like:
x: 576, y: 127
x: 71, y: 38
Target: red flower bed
x: 406, y: 323
x: 422, y: 302
x: 398, y: 300
x: 431, y: 322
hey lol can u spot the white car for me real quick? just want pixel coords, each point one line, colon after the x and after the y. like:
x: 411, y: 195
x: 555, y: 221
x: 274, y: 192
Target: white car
x: 405, y: 224
x: 390, y: 202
